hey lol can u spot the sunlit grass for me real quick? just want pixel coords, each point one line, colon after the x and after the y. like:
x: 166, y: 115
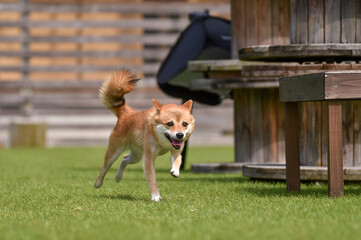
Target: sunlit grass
x: 49, y: 194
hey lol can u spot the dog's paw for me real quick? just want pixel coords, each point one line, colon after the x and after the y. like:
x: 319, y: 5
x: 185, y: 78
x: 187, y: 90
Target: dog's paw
x: 156, y: 198
x: 119, y: 176
x: 174, y: 172
x: 98, y: 183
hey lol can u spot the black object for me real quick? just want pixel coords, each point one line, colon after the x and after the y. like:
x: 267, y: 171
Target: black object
x: 205, y: 38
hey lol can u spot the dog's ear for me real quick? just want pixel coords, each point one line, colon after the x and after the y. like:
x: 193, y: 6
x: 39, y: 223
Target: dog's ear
x: 157, y: 105
x: 188, y: 105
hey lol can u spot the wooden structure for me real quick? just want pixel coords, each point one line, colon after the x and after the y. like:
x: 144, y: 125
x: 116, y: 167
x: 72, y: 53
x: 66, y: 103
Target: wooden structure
x: 261, y: 22
x: 256, y: 108
x: 320, y: 31
x: 331, y: 88
x: 326, y: 52
x: 233, y: 74
x: 54, y: 54
x: 316, y: 36
x: 277, y: 171
x: 328, y: 21
x: 258, y: 127
x: 43, y: 44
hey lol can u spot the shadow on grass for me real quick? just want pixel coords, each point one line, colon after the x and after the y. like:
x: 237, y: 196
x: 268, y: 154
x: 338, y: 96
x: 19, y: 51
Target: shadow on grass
x: 205, y: 179
x: 130, y: 168
x: 97, y: 169
x: 86, y: 169
x: 115, y: 168
x: 125, y: 197
x: 258, y: 188
x: 308, y: 189
x: 278, y: 191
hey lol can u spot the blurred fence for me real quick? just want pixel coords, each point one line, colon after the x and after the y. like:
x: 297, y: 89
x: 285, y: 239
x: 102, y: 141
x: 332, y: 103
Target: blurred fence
x: 55, y: 54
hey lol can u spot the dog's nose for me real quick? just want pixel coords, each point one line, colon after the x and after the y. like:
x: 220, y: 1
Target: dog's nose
x: 179, y: 135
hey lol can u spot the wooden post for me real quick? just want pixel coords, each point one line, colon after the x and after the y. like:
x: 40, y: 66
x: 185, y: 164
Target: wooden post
x: 184, y: 152
x: 335, y: 150
x: 292, y: 147
x: 28, y: 134
x: 242, y: 137
x: 26, y: 90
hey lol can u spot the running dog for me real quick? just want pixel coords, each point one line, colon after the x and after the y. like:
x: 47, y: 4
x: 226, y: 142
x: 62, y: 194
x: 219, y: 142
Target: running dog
x: 147, y: 134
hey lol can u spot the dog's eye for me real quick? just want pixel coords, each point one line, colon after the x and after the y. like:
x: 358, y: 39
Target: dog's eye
x: 170, y: 124
x: 185, y: 124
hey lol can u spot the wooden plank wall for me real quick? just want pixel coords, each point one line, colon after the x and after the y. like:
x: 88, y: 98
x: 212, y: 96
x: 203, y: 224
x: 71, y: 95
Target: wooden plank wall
x: 55, y: 53
x: 258, y: 114
x: 313, y: 140
x: 260, y: 22
x: 259, y: 123
x: 327, y: 21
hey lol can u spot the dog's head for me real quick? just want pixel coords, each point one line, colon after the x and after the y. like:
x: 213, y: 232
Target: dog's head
x: 173, y: 123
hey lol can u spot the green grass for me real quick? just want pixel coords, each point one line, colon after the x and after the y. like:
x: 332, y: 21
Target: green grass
x: 49, y: 194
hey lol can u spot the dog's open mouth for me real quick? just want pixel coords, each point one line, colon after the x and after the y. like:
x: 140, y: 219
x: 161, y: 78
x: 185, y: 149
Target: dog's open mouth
x: 177, y: 144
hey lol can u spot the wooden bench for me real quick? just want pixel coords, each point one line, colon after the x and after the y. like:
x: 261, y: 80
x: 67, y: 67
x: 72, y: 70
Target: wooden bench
x: 330, y: 87
x: 259, y: 124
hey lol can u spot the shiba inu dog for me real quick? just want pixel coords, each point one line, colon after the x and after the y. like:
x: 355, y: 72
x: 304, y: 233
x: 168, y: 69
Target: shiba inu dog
x: 147, y: 134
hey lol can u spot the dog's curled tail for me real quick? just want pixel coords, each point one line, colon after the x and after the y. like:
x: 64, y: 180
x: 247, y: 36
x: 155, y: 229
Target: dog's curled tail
x: 115, y: 87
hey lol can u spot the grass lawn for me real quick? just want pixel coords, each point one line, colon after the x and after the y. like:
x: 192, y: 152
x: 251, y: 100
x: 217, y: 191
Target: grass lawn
x: 49, y: 194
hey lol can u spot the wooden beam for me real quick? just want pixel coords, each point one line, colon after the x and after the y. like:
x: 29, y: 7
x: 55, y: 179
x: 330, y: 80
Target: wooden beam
x: 216, y: 65
x: 159, y: 54
x: 321, y: 86
x: 302, y: 52
x: 148, y: 24
x: 292, y: 147
x: 144, y: 8
x: 148, y: 68
x: 335, y: 162
x: 343, y: 85
x: 309, y: 87
x: 153, y: 39
x: 208, y: 83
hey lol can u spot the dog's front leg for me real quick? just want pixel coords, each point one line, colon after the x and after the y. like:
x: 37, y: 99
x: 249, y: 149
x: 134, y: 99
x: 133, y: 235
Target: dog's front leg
x: 176, y: 161
x: 149, y: 171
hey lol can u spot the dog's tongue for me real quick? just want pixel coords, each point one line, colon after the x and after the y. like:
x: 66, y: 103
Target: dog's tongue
x: 176, y: 143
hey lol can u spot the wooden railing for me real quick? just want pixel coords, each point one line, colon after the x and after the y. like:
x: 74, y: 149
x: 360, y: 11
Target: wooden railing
x: 54, y: 56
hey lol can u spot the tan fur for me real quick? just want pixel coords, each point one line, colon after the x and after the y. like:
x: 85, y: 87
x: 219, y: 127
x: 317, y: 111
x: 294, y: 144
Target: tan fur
x: 115, y: 87
x: 147, y: 134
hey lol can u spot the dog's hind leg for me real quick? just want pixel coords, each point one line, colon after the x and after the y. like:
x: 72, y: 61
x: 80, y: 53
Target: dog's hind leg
x: 112, y: 154
x: 133, y: 157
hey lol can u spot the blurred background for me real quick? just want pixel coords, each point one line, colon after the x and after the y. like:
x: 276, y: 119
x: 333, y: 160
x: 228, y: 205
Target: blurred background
x: 54, y: 55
